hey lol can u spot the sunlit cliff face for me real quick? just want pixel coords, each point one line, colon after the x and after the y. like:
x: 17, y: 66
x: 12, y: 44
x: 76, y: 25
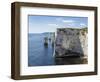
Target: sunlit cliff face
x: 73, y: 40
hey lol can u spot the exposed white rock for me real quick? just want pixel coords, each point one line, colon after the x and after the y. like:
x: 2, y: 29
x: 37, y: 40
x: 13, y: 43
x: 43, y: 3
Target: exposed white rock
x: 71, y: 41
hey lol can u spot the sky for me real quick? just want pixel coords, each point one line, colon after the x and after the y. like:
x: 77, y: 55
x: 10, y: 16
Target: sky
x: 41, y: 24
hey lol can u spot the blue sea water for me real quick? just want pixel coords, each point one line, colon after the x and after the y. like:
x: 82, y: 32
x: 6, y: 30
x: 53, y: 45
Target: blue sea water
x: 38, y: 54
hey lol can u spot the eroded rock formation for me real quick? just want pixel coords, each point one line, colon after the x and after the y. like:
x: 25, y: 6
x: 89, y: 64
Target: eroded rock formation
x: 71, y: 42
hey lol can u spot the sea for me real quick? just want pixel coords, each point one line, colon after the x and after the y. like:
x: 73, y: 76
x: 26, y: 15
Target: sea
x: 38, y: 54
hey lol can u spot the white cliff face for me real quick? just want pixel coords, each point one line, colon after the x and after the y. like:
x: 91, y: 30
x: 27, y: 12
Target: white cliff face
x: 73, y: 40
x: 84, y: 42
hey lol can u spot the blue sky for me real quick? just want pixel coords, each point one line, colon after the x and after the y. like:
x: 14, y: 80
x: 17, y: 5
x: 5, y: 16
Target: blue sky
x: 40, y: 24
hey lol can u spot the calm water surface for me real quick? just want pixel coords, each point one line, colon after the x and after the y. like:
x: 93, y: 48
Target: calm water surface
x: 38, y: 54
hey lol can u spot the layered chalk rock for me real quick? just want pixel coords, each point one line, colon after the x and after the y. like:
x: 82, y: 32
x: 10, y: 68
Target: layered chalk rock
x: 71, y: 42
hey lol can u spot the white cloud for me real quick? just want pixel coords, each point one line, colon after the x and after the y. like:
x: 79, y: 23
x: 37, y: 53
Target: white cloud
x: 82, y: 25
x: 70, y: 25
x: 52, y: 24
x: 68, y: 21
x: 64, y: 21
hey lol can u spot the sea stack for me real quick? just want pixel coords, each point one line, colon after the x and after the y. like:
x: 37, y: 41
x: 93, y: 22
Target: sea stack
x: 45, y: 41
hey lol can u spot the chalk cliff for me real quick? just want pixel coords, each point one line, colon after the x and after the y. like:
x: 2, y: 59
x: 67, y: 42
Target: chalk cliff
x: 71, y: 42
